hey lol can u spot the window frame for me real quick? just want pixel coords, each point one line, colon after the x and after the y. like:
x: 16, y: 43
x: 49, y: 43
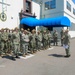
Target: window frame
x: 68, y: 6
x: 51, y: 5
x: 74, y: 11
x: 30, y: 6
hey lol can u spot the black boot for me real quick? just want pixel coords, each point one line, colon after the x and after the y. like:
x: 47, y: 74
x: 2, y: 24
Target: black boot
x: 18, y: 57
x: 13, y: 59
x: 67, y: 56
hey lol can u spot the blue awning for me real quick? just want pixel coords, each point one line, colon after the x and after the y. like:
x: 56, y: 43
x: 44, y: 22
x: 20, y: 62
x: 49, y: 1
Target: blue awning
x: 55, y: 22
x: 29, y: 21
x: 48, y: 22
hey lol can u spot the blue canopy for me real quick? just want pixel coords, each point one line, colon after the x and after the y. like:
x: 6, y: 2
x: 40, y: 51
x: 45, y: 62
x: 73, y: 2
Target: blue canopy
x: 55, y: 22
x: 48, y: 22
x: 29, y: 21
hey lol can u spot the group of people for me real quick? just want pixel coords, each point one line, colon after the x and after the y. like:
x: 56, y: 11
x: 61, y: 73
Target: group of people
x: 23, y: 41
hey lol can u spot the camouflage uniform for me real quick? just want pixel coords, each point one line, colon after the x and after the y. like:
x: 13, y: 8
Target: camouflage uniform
x: 35, y: 35
x: 49, y: 39
x: 29, y: 34
x: 45, y: 40
x: 25, y: 42
x: 16, y: 42
x: 21, y: 32
x: 62, y: 34
x: 67, y: 43
x: 2, y: 41
x: 39, y: 40
x: 0, y: 44
x: 32, y: 42
x: 10, y: 41
x: 6, y: 41
x: 55, y: 37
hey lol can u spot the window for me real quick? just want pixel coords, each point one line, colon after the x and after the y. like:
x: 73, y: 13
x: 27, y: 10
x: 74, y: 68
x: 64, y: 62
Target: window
x: 68, y: 6
x: 46, y: 5
x: 73, y: 11
x: 28, y: 6
x: 50, y: 4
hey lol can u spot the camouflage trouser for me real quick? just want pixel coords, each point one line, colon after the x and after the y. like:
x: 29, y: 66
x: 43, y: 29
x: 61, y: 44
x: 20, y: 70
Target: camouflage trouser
x: 44, y: 44
x: 61, y: 42
x: 29, y: 46
x: 10, y: 46
x: 16, y: 49
x: 2, y: 46
x: 55, y: 41
x: 68, y: 50
x: 32, y: 47
x: 0, y: 49
x: 21, y: 46
x: 6, y: 47
x: 49, y: 43
x: 25, y: 48
x: 38, y: 45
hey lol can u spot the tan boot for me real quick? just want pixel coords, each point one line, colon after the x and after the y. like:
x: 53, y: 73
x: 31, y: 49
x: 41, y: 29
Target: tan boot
x: 31, y: 52
x: 24, y: 55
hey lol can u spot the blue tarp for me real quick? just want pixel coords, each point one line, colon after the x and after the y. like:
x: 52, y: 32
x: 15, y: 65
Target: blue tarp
x: 56, y: 22
x: 29, y: 21
x: 48, y: 22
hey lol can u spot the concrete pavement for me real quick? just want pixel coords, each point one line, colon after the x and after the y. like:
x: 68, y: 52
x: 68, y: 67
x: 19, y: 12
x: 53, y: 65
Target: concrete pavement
x: 47, y: 62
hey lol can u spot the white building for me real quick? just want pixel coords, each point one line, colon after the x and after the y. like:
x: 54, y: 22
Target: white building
x: 12, y: 8
x: 56, y: 8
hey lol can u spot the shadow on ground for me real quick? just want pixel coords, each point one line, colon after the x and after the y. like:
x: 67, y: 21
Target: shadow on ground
x: 56, y: 55
x: 7, y: 57
x: 10, y: 57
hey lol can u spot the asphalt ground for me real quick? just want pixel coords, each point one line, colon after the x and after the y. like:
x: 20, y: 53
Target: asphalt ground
x: 44, y: 62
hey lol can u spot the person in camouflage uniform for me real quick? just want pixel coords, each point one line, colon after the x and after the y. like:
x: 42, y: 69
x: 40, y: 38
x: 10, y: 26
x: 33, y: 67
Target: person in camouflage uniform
x: 0, y: 43
x: 10, y: 41
x: 39, y: 40
x: 21, y: 32
x: 67, y: 43
x: 5, y: 40
x: 35, y: 40
x: 29, y: 34
x: 42, y: 43
x: 62, y: 34
x: 49, y: 39
x: 25, y: 42
x: 45, y: 38
x: 16, y: 43
x: 55, y: 37
x: 32, y: 42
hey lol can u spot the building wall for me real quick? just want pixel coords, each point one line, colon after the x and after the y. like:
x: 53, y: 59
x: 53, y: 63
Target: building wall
x: 67, y: 13
x: 71, y: 16
x: 58, y: 11
x: 12, y: 13
x: 36, y: 9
